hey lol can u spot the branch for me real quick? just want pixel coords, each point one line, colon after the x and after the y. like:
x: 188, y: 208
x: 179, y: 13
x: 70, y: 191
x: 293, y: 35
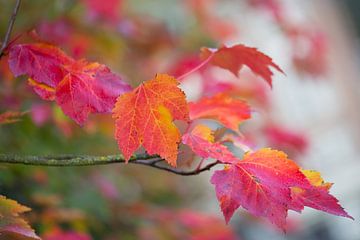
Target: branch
x: 9, y: 28
x: 86, y: 160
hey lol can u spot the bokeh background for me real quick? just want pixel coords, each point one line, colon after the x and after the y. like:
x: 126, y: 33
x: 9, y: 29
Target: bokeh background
x: 312, y: 113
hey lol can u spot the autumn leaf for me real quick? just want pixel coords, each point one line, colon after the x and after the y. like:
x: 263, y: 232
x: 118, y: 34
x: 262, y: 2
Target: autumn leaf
x: 10, y: 222
x: 227, y: 110
x: 201, y: 141
x: 286, y: 139
x: 233, y: 58
x: 260, y: 183
x: 10, y: 117
x: 42, y: 62
x: 44, y: 91
x: 78, y: 87
x: 145, y: 116
x: 88, y: 88
x: 317, y: 196
x: 105, y: 10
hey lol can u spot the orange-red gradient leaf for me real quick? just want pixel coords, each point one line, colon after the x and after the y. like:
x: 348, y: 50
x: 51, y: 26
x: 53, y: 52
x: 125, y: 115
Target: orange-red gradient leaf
x: 201, y: 141
x: 317, y: 196
x: 227, y: 110
x: 11, y: 223
x: 260, y: 184
x: 233, y: 58
x: 145, y: 116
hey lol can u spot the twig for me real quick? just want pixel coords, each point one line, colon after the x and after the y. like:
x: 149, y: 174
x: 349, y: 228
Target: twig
x: 203, y: 63
x: 85, y: 160
x: 10, y: 27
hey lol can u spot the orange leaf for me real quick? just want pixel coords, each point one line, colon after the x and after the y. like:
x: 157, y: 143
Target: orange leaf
x: 145, y: 116
x: 225, y: 109
x: 233, y: 58
x: 10, y: 117
x: 11, y: 223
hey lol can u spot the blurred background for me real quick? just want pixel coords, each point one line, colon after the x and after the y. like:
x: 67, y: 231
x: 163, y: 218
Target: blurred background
x: 312, y: 113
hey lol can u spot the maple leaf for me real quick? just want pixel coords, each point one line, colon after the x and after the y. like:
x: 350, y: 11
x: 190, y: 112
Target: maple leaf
x: 201, y: 141
x: 233, y: 58
x: 145, y: 116
x: 42, y: 62
x: 88, y: 88
x: 78, y: 87
x: 227, y: 110
x: 317, y: 196
x: 259, y: 183
x: 11, y: 223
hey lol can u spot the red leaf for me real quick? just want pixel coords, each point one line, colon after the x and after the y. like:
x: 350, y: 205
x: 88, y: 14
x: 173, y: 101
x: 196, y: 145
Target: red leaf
x: 108, y: 10
x: 42, y: 62
x: 225, y: 109
x: 285, y: 139
x: 78, y: 87
x: 44, y: 91
x: 88, y: 88
x: 260, y: 183
x: 145, y: 116
x: 233, y: 58
x: 317, y: 196
x: 201, y: 141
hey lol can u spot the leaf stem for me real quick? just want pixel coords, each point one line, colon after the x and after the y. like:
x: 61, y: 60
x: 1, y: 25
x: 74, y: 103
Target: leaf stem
x: 9, y: 28
x: 196, y: 68
x: 87, y: 160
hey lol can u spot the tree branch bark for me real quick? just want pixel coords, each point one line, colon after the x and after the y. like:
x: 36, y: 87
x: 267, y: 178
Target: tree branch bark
x: 85, y: 160
x: 9, y: 28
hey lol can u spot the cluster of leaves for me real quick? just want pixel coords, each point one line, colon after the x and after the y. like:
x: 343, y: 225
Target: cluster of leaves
x: 265, y: 181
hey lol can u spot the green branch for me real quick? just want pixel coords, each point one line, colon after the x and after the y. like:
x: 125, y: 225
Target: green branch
x: 85, y: 160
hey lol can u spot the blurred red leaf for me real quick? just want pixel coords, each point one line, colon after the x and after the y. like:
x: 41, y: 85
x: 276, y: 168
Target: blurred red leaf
x: 285, y: 139
x: 78, y: 87
x: 68, y: 235
x: 40, y: 113
x: 184, y: 224
x: 108, y: 10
